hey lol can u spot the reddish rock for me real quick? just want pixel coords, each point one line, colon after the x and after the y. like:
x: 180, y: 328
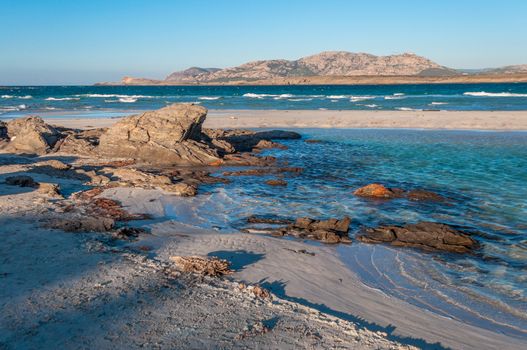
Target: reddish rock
x: 276, y: 182
x: 375, y: 191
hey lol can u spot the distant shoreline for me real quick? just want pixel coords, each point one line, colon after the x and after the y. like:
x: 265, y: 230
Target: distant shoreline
x: 341, y: 80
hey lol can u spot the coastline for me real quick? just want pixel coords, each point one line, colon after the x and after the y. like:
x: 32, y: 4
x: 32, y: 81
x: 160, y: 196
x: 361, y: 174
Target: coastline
x: 439, y: 120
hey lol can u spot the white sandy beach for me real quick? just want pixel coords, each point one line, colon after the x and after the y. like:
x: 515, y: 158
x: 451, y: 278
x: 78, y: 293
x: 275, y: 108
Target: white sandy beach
x: 449, y: 120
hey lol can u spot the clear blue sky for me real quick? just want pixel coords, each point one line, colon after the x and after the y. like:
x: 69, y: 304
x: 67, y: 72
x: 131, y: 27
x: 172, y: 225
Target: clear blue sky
x: 85, y: 41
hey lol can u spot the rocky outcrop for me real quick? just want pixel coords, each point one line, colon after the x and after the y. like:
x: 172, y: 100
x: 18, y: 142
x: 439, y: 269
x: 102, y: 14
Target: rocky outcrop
x: 381, y: 192
x: 30, y: 135
x: 171, y: 135
x: 327, y: 231
x: 423, y: 235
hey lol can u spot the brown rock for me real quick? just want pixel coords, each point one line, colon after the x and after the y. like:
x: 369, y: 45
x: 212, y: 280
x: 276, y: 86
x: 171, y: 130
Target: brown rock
x: 82, y: 224
x: 424, y: 235
x: 375, y: 191
x: 422, y: 195
x: 202, y: 266
x: 171, y: 135
x: 54, y: 164
x: 30, y: 135
x: 49, y: 189
x: 276, y: 182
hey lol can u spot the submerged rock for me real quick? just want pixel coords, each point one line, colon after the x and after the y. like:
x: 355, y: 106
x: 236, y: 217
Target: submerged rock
x: 327, y: 231
x: 170, y: 135
x: 380, y: 191
x: 21, y: 180
x: 276, y: 182
x: 424, y: 235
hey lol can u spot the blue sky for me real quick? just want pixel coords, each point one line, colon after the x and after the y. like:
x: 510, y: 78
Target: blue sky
x: 77, y: 41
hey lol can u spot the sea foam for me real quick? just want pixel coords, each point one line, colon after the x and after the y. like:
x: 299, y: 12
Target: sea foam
x: 62, y: 99
x: 211, y: 98
x: 493, y: 94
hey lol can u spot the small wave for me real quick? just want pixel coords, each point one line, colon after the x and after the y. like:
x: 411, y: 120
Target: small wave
x: 361, y: 98
x: 8, y: 96
x: 253, y: 95
x: 128, y: 99
x: 114, y: 95
x: 21, y: 107
x: 27, y: 97
x: 393, y: 97
x: 371, y: 106
x: 299, y: 99
x: 282, y: 96
x: 338, y: 97
x: 398, y: 94
x: 438, y: 103
x: 209, y: 98
x: 493, y: 94
x: 406, y: 109
x: 62, y: 99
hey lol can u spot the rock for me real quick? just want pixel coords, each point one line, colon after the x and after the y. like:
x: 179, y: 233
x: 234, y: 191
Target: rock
x: 424, y: 235
x: 112, y: 209
x: 181, y: 189
x: 54, y: 164
x: 134, y: 177
x: 375, y: 191
x: 49, y: 189
x: 246, y: 140
x: 83, y: 142
x: 266, y: 144
x: 379, y: 191
x: 21, y: 180
x: 171, y: 135
x: 127, y: 233
x: 264, y: 220
x: 313, y: 141
x: 328, y: 231
x: 30, y: 135
x: 82, y: 224
x: 276, y: 182
x: 422, y: 195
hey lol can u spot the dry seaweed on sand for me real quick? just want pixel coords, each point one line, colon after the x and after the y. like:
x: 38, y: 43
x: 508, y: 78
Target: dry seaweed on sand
x: 203, y: 266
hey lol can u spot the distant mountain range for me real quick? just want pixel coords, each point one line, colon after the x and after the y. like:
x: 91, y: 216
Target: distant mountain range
x: 329, y: 65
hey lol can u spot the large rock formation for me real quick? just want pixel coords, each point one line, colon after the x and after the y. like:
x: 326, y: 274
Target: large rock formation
x: 30, y: 135
x: 424, y: 235
x: 170, y: 135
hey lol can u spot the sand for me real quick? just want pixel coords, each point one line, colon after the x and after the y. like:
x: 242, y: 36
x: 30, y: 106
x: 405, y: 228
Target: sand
x: 449, y: 120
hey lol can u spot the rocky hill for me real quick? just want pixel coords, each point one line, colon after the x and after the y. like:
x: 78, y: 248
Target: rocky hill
x: 340, y: 67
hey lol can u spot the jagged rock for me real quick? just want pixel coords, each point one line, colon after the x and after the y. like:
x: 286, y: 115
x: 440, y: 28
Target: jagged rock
x: 424, y: 235
x: 128, y: 232
x: 30, y: 135
x: 142, y: 179
x: 263, y: 171
x: 49, y: 189
x: 82, y: 224
x: 380, y: 191
x: 266, y: 220
x: 247, y: 141
x: 21, y: 180
x: 80, y: 142
x: 276, y: 182
x: 55, y: 164
x: 327, y: 231
x: 171, y: 135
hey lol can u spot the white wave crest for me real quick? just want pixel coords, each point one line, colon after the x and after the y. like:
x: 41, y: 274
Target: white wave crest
x: 361, y: 98
x: 371, y: 106
x: 209, y: 98
x: 62, y: 99
x: 333, y: 97
x: 21, y: 107
x: 128, y: 99
x: 398, y: 94
x: 253, y: 95
x: 114, y: 95
x: 407, y: 109
x: 27, y: 97
x: 493, y: 94
x: 7, y: 96
x: 282, y: 96
x: 299, y: 99
x: 438, y: 103
x: 393, y: 97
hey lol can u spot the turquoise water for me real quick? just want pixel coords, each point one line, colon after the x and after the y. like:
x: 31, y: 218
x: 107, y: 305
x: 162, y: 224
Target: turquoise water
x: 56, y: 99
x: 483, y: 175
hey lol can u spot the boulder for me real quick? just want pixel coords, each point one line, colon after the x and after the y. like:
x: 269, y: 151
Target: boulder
x: 30, y: 135
x: 328, y: 231
x: 82, y: 224
x: 424, y: 235
x: 376, y: 191
x: 21, y: 180
x: 170, y: 135
x: 247, y: 141
x: 49, y: 189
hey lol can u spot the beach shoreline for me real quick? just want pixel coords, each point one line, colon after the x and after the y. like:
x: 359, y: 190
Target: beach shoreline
x: 343, y: 119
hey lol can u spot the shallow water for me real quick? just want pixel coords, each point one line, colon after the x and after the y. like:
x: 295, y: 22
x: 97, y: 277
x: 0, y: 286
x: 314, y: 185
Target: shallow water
x: 483, y: 175
x: 56, y: 99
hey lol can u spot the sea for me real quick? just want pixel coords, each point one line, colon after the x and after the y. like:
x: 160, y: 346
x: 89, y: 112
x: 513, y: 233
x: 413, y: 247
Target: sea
x: 483, y: 175
x: 93, y: 100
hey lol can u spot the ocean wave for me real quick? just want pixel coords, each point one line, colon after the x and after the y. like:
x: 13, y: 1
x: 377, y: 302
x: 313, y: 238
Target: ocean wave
x: 493, y: 94
x: 299, y: 99
x: 209, y: 98
x: 398, y: 94
x: 393, y: 97
x: 407, y: 109
x: 114, y: 95
x: 127, y: 99
x: 7, y: 96
x: 21, y: 107
x: 438, y: 103
x: 253, y: 95
x: 333, y: 97
x: 26, y: 97
x: 361, y: 98
x: 283, y: 96
x: 372, y: 105
x: 62, y: 99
